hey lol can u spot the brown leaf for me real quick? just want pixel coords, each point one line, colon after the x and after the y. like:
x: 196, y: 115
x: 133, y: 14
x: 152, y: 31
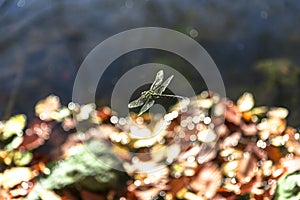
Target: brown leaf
x: 45, y: 108
x: 49, y: 195
x: 258, y: 152
x: 252, y: 186
x: 104, y: 113
x: 278, y: 112
x: 232, y: 114
x: 230, y: 141
x: 207, y: 181
x: 245, y: 102
x: 273, y: 126
x: 68, y: 124
x: 273, y: 153
x: 87, y: 195
x: 36, y: 135
x: 222, y: 130
x: 177, y: 184
x: 246, y: 168
x: 148, y: 193
x: 4, y: 194
x: 293, y: 144
x: 14, y: 176
x: 291, y: 164
x: 249, y: 129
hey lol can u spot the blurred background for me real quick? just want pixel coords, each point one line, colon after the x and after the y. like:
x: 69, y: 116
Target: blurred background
x: 255, y: 45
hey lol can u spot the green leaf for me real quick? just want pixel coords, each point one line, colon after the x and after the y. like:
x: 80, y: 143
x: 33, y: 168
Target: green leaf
x: 21, y: 158
x: 15, y: 143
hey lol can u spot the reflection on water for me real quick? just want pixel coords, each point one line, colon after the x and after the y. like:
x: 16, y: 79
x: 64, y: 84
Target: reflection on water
x: 42, y: 44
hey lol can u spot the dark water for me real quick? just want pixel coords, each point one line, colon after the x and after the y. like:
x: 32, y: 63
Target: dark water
x: 43, y: 43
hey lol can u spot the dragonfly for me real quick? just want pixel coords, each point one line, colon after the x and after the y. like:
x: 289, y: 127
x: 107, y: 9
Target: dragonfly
x: 147, y: 98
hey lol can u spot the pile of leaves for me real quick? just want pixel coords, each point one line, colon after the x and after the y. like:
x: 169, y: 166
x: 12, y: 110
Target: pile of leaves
x: 207, y: 147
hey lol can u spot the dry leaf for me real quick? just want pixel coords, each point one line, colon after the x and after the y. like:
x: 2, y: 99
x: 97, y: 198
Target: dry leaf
x: 278, y: 112
x: 246, y: 168
x: 45, y: 108
x: 207, y: 181
x: 207, y: 135
x: 36, y: 135
x: 245, y: 102
x: 232, y: 114
x: 49, y: 195
x: 19, y: 175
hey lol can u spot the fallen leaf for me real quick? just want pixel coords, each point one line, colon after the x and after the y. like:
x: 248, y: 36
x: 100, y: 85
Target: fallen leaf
x: 45, y: 108
x: 19, y: 175
x: 13, y: 126
x: 207, y: 181
x: 278, y: 112
x: 245, y: 102
x: 49, y: 195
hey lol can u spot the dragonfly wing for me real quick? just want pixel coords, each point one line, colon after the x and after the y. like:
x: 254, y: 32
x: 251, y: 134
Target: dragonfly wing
x: 163, y: 87
x: 138, y: 102
x: 149, y: 103
x: 158, y: 80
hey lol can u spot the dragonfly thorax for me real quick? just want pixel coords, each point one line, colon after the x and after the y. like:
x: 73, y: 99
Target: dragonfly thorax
x: 147, y: 97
